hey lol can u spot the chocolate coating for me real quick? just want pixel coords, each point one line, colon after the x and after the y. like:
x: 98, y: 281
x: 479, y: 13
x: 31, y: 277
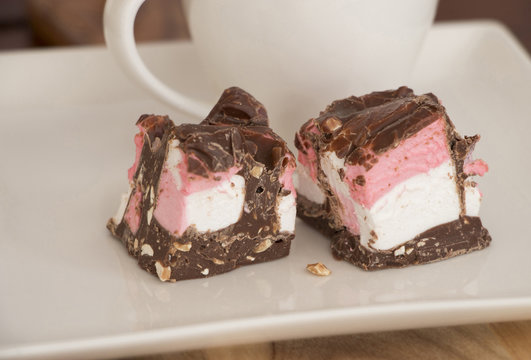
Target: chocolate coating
x: 237, y: 107
x: 358, y: 129
x: 256, y: 236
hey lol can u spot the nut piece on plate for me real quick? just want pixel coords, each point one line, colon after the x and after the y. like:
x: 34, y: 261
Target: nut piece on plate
x: 318, y: 269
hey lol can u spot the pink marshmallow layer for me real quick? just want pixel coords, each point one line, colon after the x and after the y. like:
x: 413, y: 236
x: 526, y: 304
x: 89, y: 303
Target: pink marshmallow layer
x: 476, y: 167
x: 286, y: 179
x: 139, y: 142
x: 132, y: 214
x: 171, y: 197
x: 418, y: 154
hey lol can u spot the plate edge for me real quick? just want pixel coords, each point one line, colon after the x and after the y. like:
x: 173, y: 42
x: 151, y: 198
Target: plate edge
x: 291, y: 325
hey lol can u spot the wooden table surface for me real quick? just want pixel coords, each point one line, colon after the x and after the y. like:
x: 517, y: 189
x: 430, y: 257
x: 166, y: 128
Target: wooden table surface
x: 32, y: 23
x: 511, y: 340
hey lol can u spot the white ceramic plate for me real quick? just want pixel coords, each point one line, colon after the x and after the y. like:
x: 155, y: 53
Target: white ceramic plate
x: 69, y: 290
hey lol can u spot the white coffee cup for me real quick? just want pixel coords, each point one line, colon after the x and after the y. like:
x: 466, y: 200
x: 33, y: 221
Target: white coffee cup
x: 295, y: 56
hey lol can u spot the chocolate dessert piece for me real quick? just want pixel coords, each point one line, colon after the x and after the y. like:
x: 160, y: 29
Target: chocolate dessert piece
x: 206, y: 198
x: 389, y: 180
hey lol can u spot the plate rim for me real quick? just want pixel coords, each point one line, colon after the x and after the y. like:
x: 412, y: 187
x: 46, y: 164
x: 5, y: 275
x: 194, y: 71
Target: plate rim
x: 265, y: 328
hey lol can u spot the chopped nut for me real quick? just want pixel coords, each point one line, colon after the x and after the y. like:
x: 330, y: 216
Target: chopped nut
x: 164, y: 272
x: 183, y: 247
x: 156, y: 144
x: 149, y: 215
x: 360, y: 180
x: 409, y: 251
x: 421, y: 243
x: 250, y: 258
x: 205, y: 272
x: 257, y: 171
x: 263, y: 246
x: 218, y: 261
x: 341, y: 173
x: 276, y: 153
x: 331, y: 124
x: 146, y: 250
x: 135, y: 244
x: 140, y: 175
x: 400, y: 251
x: 318, y: 269
x: 151, y: 194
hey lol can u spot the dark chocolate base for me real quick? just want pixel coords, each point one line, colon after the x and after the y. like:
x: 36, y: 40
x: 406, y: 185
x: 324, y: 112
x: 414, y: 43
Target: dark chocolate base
x: 441, y: 242
x: 206, y: 251
x: 315, y: 215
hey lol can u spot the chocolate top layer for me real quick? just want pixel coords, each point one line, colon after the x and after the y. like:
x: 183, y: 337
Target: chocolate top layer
x: 210, y: 148
x: 154, y: 125
x: 236, y: 127
x: 377, y: 121
x: 216, y: 148
x: 237, y: 107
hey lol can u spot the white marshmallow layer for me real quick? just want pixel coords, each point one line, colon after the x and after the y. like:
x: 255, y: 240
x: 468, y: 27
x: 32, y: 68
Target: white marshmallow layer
x: 218, y: 207
x: 287, y: 212
x: 410, y: 208
x: 307, y: 187
x: 117, y: 218
x: 472, y: 199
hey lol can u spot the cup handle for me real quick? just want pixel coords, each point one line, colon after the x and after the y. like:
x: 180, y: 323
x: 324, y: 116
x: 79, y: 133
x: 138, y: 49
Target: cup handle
x: 118, y: 23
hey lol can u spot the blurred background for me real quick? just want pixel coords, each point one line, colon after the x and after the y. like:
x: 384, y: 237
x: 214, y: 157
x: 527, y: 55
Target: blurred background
x: 42, y: 23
